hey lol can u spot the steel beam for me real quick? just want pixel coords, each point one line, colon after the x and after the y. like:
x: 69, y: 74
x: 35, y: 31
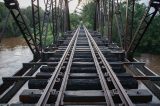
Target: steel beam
x: 110, y: 20
x: 36, y: 23
x: 119, y: 23
x: 101, y: 17
x: 54, y: 20
x: 14, y: 8
x: 129, y: 23
x: 95, y: 17
x: 97, y: 11
x: 67, y: 17
x: 145, y: 22
x: 46, y: 21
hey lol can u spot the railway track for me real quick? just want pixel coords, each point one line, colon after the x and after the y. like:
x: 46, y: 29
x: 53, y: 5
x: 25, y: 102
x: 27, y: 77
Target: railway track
x: 81, y: 71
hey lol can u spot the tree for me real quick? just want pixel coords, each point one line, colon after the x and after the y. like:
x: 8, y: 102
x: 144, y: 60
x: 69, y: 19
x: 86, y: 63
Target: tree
x: 75, y: 19
x: 88, y: 14
x: 12, y: 29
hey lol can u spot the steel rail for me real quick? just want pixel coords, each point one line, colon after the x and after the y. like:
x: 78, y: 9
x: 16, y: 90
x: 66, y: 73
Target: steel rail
x: 108, y: 97
x: 45, y: 95
x: 122, y: 93
x: 66, y: 75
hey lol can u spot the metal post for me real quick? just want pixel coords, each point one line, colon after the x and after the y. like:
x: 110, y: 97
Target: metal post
x: 129, y: 23
x: 36, y: 23
x: 67, y: 21
x: 110, y: 20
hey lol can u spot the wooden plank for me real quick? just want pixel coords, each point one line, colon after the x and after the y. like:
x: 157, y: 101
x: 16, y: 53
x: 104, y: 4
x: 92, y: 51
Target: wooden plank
x: 17, y: 78
x: 149, y: 84
x: 151, y: 78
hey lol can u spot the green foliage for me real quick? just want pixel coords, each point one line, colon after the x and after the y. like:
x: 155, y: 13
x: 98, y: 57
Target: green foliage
x: 74, y: 19
x: 12, y: 29
x: 49, y: 38
x: 151, y: 39
x: 88, y: 14
x: 150, y: 42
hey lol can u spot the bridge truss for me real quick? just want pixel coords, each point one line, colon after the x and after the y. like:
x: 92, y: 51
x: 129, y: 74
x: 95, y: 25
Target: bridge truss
x: 108, y: 10
x: 56, y: 17
x: 82, y: 70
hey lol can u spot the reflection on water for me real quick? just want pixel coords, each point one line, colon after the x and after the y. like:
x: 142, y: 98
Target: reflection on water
x: 13, y: 52
x: 152, y: 62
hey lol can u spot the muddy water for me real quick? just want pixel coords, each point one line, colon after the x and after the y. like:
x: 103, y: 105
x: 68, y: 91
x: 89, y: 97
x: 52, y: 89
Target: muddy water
x: 152, y: 61
x: 13, y: 52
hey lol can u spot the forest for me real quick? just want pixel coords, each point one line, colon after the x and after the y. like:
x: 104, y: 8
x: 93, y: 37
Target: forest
x: 6, y: 20
x: 149, y: 44
x: 151, y: 41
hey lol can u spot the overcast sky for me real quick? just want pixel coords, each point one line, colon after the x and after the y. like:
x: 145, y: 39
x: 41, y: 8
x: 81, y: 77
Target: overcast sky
x: 72, y: 4
x: 26, y: 3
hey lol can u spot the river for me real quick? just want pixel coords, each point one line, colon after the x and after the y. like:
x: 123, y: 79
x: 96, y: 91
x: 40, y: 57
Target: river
x: 152, y: 61
x: 14, y: 52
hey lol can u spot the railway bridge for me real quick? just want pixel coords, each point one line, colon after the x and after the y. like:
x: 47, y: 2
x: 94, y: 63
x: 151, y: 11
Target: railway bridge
x: 81, y: 66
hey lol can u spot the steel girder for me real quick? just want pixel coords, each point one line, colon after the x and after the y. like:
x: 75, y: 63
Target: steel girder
x: 110, y: 20
x: 66, y: 17
x: 54, y: 20
x: 59, y: 24
x: 60, y: 17
x: 46, y: 21
x: 129, y: 23
x: 145, y: 22
x: 102, y: 17
x: 36, y: 23
x: 13, y: 6
x: 102, y: 14
x: 105, y: 17
x: 119, y: 23
x: 96, y: 17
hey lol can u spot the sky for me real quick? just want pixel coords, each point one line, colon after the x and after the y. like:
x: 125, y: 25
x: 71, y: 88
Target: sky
x: 26, y: 3
x: 72, y: 3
